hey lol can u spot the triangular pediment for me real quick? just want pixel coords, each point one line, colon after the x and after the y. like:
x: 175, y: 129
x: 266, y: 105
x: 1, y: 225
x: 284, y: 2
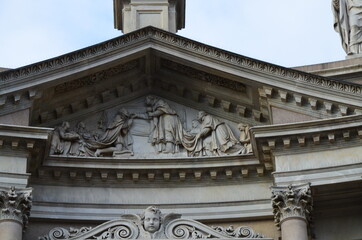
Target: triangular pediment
x: 158, y: 62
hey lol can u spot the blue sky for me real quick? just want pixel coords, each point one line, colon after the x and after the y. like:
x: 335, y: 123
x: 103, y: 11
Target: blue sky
x: 283, y: 32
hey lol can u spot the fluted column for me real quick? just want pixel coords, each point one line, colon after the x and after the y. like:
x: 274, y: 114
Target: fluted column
x: 15, y: 205
x: 292, y: 207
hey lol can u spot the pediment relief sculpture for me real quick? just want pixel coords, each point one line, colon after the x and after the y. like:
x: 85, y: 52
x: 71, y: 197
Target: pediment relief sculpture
x: 151, y: 127
x: 152, y: 224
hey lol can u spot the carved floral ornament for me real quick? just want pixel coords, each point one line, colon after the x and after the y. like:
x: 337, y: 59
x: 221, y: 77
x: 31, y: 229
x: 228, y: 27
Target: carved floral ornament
x: 161, y: 128
x: 15, y: 205
x: 292, y: 202
x: 152, y: 224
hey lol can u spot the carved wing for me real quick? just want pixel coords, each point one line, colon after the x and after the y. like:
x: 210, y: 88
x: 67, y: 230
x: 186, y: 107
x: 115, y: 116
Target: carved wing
x: 169, y: 217
x: 131, y: 217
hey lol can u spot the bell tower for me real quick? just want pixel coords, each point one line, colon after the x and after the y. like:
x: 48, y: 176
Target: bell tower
x: 130, y: 15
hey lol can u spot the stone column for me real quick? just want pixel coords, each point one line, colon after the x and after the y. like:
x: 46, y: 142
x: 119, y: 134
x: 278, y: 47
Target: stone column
x: 292, y: 207
x: 15, y: 208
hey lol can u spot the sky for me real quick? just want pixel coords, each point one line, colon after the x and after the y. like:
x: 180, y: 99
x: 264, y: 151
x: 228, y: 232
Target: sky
x: 284, y: 32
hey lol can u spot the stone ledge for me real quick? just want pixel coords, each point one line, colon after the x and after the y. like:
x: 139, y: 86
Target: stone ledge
x: 86, y: 212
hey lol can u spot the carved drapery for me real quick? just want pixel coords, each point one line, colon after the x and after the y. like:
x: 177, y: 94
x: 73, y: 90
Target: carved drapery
x: 15, y: 204
x: 172, y: 226
x: 292, y: 202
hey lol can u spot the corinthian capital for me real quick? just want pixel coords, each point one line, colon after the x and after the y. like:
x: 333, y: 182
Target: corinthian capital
x: 293, y: 201
x: 15, y: 204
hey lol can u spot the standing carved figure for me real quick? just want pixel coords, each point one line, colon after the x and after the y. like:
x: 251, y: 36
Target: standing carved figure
x: 166, y: 127
x: 63, y: 139
x: 245, y: 137
x: 348, y: 23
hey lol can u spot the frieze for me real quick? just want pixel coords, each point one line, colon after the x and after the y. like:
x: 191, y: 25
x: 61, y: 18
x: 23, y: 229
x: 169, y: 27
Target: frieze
x: 152, y: 224
x: 96, y: 78
x: 195, y: 47
x: 161, y: 129
x: 200, y: 75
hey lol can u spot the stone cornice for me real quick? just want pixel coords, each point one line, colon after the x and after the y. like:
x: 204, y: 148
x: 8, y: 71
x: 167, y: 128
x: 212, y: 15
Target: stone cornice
x: 152, y: 170
x: 281, y: 137
x: 30, y: 137
x: 15, y: 204
x: 310, y: 81
x: 293, y: 201
x: 308, y: 127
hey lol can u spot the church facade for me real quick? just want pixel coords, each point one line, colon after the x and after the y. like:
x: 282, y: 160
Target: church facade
x: 151, y: 135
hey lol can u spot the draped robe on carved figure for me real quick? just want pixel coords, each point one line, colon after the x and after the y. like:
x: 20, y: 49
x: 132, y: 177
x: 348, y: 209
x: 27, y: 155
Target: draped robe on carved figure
x: 215, y: 138
x: 115, y: 138
x: 166, y: 127
x: 348, y: 23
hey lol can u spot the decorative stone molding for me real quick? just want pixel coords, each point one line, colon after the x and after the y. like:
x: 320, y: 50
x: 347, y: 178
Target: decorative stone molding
x: 305, y: 104
x: 15, y: 205
x: 292, y: 202
x: 327, y: 133
x: 150, y: 33
x: 203, y: 76
x: 151, y: 224
x: 96, y: 77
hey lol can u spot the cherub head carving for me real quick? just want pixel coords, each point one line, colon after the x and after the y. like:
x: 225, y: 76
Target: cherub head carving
x: 151, y: 219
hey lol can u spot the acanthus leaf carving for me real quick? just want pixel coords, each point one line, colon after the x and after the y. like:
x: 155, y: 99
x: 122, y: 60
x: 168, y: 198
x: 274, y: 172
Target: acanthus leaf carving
x: 15, y: 204
x: 292, y: 201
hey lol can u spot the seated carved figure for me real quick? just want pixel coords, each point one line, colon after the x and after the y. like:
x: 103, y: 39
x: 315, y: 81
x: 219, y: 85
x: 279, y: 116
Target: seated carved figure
x: 215, y: 138
x: 63, y: 139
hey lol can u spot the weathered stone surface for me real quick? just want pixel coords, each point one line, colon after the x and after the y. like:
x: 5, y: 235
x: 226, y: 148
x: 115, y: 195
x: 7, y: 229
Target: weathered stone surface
x: 292, y: 202
x: 347, y: 22
x: 151, y: 224
x: 15, y: 204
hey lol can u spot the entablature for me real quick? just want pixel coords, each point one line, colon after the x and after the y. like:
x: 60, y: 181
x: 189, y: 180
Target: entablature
x: 151, y: 171
x: 319, y: 135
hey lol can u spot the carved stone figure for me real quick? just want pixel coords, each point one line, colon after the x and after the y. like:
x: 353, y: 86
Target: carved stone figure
x: 63, y: 139
x: 245, y: 137
x: 151, y: 224
x: 214, y: 139
x: 166, y: 126
x: 115, y: 140
x: 348, y: 23
x: 151, y: 218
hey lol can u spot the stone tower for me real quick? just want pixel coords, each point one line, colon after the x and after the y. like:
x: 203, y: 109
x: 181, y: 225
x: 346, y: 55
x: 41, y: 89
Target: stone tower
x: 130, y: 15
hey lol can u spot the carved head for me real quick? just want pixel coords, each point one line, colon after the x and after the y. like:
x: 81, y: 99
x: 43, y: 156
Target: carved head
x: 81, y: 126
x: 65, y: 125
x: 195, y: 123
x: 201, y: 115
x: 150, y: 99
x: 242, y: 126
x: 151, y: 218
x: 123, y: 113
